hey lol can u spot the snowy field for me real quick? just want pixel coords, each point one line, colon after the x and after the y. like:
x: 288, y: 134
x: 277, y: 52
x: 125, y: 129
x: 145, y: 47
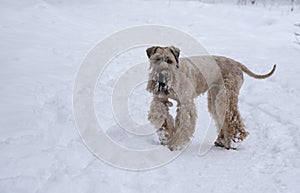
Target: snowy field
x: 42, y: 46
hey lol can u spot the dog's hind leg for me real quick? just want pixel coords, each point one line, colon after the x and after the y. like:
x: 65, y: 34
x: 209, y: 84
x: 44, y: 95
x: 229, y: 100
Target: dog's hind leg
x: 232, y: 131
x: 217, y: 113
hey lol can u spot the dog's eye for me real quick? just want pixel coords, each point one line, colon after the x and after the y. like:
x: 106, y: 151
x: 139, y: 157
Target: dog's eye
x: 169, y: 61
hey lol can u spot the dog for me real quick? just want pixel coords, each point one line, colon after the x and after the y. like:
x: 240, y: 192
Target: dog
x: 183, y: 79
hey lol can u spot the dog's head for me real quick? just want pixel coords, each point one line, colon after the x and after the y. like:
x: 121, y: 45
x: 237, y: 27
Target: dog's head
x: 164, y: 62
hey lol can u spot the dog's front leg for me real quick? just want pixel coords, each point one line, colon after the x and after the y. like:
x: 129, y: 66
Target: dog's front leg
x: 184, y: 125
x: 162, y: 120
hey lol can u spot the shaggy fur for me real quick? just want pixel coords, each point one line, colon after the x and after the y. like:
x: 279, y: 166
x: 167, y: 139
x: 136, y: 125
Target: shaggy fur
x: 180, y: 79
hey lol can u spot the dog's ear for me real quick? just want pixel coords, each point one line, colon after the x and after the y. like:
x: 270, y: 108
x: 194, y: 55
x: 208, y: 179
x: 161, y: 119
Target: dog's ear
x: 150, y: 51
x: 175, y: 51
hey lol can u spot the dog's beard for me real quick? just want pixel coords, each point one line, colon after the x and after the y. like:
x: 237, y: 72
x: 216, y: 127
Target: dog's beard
x: 160, y: 82
x: 158, y: 88
x: 162, y: 88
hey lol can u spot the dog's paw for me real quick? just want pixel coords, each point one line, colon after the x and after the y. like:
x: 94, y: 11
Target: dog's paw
x: 220, y: 142
x: 175, y: 145
x: 237, y: 140
x: 163, y: 136
x: 232, y: 144
x: 235, y: 143
x: 179, y: 141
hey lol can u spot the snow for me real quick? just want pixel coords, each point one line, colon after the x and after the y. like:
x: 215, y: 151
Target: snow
x: 42, y: 46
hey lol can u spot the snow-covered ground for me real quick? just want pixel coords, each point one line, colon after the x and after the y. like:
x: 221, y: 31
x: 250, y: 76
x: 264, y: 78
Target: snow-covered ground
x: 42, y: 46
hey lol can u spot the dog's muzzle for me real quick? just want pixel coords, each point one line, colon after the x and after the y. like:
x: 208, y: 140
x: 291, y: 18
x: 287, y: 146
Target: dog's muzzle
x: 161, y: 80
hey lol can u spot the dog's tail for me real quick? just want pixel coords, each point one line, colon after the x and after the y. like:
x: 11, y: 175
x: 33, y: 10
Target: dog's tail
x: 257, y: 76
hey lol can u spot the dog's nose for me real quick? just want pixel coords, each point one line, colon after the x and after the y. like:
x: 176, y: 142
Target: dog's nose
x: 162, y: 77
x: 161, y: 85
